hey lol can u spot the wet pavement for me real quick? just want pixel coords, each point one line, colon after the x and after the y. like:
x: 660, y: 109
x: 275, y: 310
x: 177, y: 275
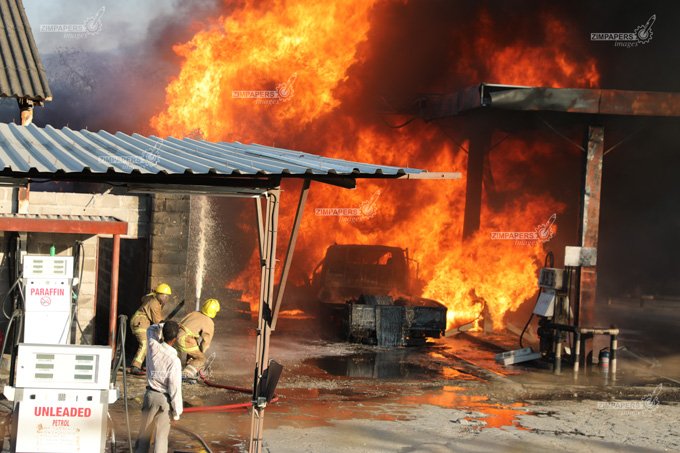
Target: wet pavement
x: 335, y: 396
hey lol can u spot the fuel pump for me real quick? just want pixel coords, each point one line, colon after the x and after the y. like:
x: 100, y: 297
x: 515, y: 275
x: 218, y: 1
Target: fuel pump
x: 60, y: 391
x: 552, y: 307
x: 557, y: 320
x: 47, y: 284
x: 61, y: 396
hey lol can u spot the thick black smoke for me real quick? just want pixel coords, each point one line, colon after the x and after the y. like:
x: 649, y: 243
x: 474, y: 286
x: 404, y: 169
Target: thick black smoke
x: 412, y: 48
x: 119, y: 89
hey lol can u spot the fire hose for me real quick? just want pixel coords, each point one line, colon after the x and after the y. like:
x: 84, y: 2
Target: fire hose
x: 194, y: 435
x: 225, y: 407
x: 195, y: 409
x: 119, y: 362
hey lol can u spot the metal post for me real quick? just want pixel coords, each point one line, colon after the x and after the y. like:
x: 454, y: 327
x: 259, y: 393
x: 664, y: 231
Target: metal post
x: 557, y: 367
x: 23, y: 197
x: 479, y: 145
x: 584, y: 352
x: 267, y: 291
x: 260, y: 228
x: 113, y: 305
x: 262, y: 244
x: 612, y: 356
x: 590, y: 219
x: 577, y: 352
x: 576, y: 292
x: 291, y: 249
x: 263, y: 240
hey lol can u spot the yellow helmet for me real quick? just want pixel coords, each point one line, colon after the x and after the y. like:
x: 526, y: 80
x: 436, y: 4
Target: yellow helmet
x: 210, y: 307
x: 163, y: 288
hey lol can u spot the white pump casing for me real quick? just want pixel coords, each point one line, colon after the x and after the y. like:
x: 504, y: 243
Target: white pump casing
x: 61, y: 396
x: 47, y: 291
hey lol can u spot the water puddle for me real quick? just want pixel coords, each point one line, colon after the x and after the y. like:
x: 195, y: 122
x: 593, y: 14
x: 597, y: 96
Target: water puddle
x: 483, y: 414
x: 391, y: 364
x: 310, y: 407
x: 316, y: 407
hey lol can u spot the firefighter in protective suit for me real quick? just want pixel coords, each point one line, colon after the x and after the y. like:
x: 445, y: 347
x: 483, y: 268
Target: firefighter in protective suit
x: 150, y: 312
x: 196, y: 332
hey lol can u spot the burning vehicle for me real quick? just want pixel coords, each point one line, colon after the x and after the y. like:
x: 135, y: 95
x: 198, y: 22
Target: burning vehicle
x: 366, y: 292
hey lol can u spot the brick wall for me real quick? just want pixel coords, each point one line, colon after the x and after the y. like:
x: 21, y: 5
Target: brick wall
x: 132, y: 209
x: 170, y: 244
x: 163, y: 218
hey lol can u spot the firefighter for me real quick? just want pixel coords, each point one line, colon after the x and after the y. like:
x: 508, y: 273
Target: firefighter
x: 149, y: 313
x: 196, y: 332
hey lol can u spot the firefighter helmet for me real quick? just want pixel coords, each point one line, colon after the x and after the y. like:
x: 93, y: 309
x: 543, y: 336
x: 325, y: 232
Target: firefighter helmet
x: 210, y: 307
x: 163, y: 288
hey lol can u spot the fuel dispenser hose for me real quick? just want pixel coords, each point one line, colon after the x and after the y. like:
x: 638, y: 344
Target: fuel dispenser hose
x: 120, y: 351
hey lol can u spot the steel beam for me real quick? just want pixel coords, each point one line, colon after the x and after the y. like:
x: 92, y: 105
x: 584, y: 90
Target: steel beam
x: 23, y: 198
x: 260, y: 229
x: 590, y: 220
x: 268, y: 273
x: 291, y: 249
x: 113, y: 305
x: 570, y: 100
x: 432, y: 175
x: 45, y: 225
x: 479, y: 146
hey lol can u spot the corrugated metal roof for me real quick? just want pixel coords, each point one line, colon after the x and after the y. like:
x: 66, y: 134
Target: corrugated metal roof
x: 30, y: 149
x: 22, y: 74
x: 73, y: 224
x: 67, y: 217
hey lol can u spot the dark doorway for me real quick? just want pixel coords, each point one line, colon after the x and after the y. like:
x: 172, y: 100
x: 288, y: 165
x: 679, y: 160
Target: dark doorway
x: 134, y: 256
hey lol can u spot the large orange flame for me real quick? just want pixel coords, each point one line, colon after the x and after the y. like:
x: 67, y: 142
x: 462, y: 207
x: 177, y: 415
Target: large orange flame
x: 302, y: 52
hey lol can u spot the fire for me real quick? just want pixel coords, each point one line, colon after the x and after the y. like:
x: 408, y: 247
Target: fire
x: 294, y: 314
x: 544, y: 63
x: 312, y: 57
x: 257, y: 47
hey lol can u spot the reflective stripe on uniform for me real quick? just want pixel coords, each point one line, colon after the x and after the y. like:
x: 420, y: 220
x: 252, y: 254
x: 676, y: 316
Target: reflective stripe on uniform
x: 140, y: 355
x: 188, y: 331
x: 182, y: 340
x: 133, y: 321
x: 183, y: 346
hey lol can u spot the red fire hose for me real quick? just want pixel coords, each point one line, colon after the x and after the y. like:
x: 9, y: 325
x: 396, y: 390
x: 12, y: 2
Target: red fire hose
x: 226, y: 407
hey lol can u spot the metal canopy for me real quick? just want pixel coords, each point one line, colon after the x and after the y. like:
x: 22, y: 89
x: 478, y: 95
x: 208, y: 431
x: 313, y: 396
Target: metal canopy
x: 73, y: 224
x: 151, y: 165
x: 65, y: 154
x: 498, y: 103
x: 571, y: 100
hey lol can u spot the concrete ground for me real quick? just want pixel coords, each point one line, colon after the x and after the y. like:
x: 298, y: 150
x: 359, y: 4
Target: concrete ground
x: 447, y: 396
